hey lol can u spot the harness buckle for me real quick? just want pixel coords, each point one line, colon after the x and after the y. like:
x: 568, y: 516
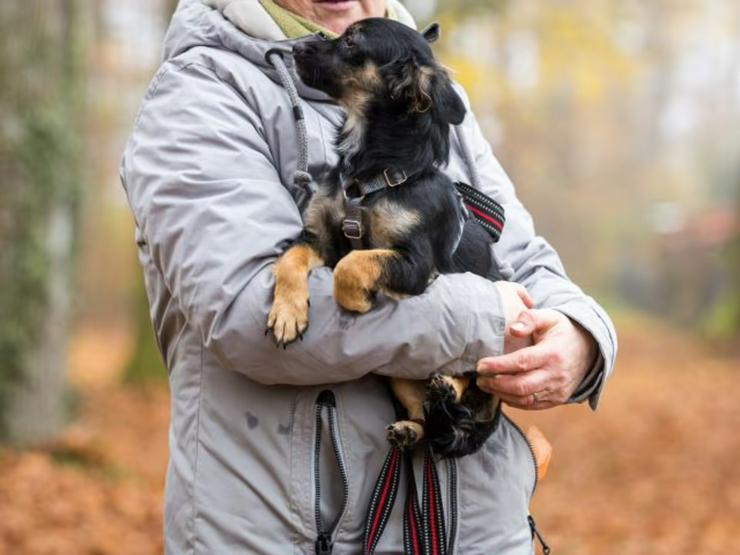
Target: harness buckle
x: 352, y: 229
x: 389, y: 181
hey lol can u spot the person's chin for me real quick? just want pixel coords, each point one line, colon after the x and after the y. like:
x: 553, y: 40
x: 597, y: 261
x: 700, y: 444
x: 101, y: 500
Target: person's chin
x: 338, y: 15
x: 339, y: 7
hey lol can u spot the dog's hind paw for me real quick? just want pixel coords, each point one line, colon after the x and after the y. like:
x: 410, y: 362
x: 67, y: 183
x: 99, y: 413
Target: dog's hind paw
x: 446, y: 389
x: 405, y: 433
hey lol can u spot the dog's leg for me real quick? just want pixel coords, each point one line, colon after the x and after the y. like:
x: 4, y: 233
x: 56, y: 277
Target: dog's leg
x: 411, y: 393
x: 288, y: 318
x: 395, y: 272
x: 359, y: 275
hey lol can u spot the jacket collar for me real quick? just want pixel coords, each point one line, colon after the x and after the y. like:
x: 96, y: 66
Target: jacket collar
x: 252, y: 19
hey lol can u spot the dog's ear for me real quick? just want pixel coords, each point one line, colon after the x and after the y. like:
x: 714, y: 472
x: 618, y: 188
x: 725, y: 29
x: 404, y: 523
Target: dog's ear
x: 431, y: 33
x: 407, y: 83
x: 424, y: 88
x: 447, y: 104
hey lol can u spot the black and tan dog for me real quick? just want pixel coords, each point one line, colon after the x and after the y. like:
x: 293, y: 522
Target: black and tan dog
x: 386, y: 218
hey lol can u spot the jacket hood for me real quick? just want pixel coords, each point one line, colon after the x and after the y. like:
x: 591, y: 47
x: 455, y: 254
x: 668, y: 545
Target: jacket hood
x: 241, y: 26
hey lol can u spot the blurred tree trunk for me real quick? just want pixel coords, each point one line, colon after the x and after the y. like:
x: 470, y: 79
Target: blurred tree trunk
x: 41, y: 69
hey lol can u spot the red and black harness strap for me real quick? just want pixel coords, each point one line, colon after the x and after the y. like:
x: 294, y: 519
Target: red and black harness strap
x: 433, y: 511
x: 488, y: 212
x: 423, y: 527
x: 382, y: 500
x: 413, y: 532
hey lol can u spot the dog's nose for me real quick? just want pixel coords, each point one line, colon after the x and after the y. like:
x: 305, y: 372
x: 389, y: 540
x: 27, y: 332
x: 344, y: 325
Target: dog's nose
x: 304, y: 47
x: 301, y: 48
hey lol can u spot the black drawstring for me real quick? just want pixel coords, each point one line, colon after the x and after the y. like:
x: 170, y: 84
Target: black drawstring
x: 536, y: 534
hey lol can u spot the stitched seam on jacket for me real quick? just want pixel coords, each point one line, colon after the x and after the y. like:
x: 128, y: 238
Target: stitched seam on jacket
x: 193, y: 518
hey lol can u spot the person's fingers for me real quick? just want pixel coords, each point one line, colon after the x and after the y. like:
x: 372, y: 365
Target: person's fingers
x: 525, y: 296
x: 538, y: 401
x: 530, y: 402
x: 522, y: 360
x: 518, y: 385
x: 524, y: 326
x: 542, y: 318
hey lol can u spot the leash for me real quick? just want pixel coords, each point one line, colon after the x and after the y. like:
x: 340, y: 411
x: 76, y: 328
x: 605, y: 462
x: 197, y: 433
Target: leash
x: 424, y: 531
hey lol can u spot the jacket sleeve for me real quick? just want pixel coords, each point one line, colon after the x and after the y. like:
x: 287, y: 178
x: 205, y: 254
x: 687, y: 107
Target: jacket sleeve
x: 207, y: 199
x: 527, y: 258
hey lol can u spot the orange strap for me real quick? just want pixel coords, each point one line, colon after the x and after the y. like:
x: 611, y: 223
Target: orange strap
x: 542, y: 450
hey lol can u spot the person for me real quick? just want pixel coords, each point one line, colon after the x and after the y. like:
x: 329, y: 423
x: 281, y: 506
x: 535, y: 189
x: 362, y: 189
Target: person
x: 272, y: 449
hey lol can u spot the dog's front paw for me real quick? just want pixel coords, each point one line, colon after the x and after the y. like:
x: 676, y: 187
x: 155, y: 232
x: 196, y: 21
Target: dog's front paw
x: 288, y: 319
x: 405, y: 433
x: 355, y: 280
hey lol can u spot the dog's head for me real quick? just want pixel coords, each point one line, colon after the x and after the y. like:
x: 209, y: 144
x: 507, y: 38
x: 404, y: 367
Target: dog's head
x: 382, y: 62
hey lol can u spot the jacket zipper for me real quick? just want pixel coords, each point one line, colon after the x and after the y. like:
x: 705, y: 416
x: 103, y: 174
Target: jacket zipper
x: 452, y: 470
x: 532, y: 524
x: 529, y: 445
x: 325, y: 538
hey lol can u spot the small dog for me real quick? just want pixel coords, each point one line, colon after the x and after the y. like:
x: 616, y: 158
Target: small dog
x: 386, y: 218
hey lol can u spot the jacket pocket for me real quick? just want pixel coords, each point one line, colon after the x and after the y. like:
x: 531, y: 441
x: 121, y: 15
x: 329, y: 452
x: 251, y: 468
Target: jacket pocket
x: 326, y: 523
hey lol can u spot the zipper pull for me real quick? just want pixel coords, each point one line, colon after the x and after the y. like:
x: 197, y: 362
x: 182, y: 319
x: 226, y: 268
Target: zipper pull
x: 324, y: 546
x: 536, y: 533
x: 326, y: 398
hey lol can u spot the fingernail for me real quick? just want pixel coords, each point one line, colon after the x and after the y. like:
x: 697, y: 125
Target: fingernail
x: 518, y: 326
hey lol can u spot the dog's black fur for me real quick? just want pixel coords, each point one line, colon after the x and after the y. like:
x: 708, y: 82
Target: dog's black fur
x: 400, y: 104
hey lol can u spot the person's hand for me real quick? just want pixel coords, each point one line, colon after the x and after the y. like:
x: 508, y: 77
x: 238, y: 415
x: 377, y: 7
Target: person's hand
x: 545, y: 374
x: 514, y: 300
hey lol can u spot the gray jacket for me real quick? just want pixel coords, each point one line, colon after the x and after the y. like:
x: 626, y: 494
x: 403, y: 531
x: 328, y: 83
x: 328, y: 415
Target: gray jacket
x: 209, y: 172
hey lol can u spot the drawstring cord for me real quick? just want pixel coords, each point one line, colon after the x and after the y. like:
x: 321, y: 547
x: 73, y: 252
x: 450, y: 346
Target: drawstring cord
x: 302, y: 180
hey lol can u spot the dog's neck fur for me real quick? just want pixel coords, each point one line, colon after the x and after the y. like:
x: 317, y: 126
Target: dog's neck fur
x: 373, y: 138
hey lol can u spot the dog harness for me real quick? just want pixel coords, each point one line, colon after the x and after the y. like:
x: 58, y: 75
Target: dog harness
x: 355, y: 192
x: 474, y: 205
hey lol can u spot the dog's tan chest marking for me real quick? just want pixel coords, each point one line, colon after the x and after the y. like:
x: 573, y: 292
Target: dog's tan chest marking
x: 389, y: 222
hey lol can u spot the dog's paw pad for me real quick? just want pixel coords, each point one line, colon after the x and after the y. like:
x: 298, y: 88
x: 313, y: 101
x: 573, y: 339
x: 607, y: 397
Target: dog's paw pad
x: 442, y: 389
x: 405, y: 433
x: 288, y: 319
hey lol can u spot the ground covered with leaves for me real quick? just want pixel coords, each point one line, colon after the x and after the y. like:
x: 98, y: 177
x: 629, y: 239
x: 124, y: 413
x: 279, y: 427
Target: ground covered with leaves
x: 654, y: 471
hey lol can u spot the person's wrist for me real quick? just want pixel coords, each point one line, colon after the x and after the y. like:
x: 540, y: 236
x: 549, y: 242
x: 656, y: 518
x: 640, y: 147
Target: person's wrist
x: 487, y: 322
x: 591, y: 348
